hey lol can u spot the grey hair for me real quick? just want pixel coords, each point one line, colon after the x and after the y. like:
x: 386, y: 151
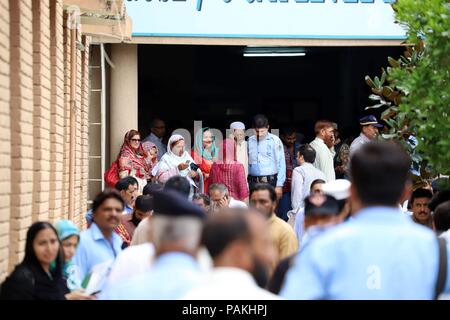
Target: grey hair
x: 185, y: 230
x: 219, y: 186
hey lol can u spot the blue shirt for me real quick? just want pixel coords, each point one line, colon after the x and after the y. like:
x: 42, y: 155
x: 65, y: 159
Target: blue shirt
x: 380, y: 254
x: 94, y: 249
x: 266, y: 157
x: 171, y: 277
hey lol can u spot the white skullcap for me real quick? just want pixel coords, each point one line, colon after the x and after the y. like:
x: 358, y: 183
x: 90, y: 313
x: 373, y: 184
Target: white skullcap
x: 339, y: 189
x: 237, y: 125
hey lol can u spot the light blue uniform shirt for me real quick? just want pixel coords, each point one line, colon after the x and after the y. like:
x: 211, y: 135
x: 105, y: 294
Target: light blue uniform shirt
x: 359, y: 141
x: 94, y: 249
x: 266, y: 157
x: 171, y: 276
x: 380, y: 254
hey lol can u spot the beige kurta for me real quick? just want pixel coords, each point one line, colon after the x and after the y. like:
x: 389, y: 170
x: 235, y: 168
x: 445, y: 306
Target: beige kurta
x: 242, y: 155
x: 283, y: 237
x: 324, y: 158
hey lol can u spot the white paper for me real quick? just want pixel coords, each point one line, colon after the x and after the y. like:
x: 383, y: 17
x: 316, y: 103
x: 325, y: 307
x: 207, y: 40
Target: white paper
x: 99, y: 273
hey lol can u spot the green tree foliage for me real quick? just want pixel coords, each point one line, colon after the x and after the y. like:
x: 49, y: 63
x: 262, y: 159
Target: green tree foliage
x: 415, y: 89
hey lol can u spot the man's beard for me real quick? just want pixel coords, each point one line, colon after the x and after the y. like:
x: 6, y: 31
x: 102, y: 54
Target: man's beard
x: 329, y: 142
x: 259, y: 273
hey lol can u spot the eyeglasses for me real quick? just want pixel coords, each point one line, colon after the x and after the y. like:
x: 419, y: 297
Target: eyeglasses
x: 136, y: 140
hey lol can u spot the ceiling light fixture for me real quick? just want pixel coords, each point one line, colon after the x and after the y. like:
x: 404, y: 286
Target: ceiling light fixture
x: 286, y: 54
x: 274, y: 52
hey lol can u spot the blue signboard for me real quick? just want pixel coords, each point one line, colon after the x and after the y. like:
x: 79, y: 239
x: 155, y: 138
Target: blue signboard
x: 308, y: 19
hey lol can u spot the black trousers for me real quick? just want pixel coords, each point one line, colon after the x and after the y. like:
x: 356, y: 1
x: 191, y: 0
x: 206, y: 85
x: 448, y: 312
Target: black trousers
x: 272, y: 180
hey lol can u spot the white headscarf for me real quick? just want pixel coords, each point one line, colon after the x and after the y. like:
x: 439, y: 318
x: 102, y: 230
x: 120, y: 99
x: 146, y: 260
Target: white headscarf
x: 171, y: 160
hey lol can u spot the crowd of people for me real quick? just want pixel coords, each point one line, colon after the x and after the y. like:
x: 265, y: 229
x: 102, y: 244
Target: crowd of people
x: 261, y: 218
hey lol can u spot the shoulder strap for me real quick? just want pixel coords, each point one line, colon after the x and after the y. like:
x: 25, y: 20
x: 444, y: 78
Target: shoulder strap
x: 442, y: 272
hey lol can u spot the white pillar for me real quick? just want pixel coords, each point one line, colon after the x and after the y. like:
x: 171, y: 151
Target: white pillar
x: 123, y: 94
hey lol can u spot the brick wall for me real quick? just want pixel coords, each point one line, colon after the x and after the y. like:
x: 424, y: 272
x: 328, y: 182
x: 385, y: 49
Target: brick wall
x: 21, y: 108
x: 57, y: 110
x: 66, y: 113
x: 5, y: 138
x: 35, y: 122
x: 42, y: 96
x: 84, y: 129
x: 78, y: 140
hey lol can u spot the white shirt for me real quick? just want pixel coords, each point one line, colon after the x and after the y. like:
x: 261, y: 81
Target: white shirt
x: 324, y: 159
x: 142, y: 232
x: 237, y: 204
x: 302, y: 177
x: 227, y: 283
x: 358, y: 143
x: 171, y: 276
x: 138, y: 259
x: 299, y: 226
x: 445, y: 235
x: 132, y: 261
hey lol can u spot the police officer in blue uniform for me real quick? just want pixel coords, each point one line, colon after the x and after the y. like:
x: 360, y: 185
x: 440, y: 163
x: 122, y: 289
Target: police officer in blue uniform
x: 380, y: 253
x: 266, y: 159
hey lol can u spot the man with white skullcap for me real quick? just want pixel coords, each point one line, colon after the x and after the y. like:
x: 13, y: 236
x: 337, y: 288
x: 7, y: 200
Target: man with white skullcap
x: 237, y: 125
x: 315, y: 223
x: 323, y: 209
x: 321, y: 214
x: 340, y: 190
x: 238, y: 136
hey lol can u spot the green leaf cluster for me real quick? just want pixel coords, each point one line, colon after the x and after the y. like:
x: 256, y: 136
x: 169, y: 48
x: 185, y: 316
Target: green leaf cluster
x: 414, y: 91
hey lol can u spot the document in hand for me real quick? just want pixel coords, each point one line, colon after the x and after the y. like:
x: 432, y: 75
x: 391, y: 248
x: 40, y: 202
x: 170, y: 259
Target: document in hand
x: 95, y: 280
